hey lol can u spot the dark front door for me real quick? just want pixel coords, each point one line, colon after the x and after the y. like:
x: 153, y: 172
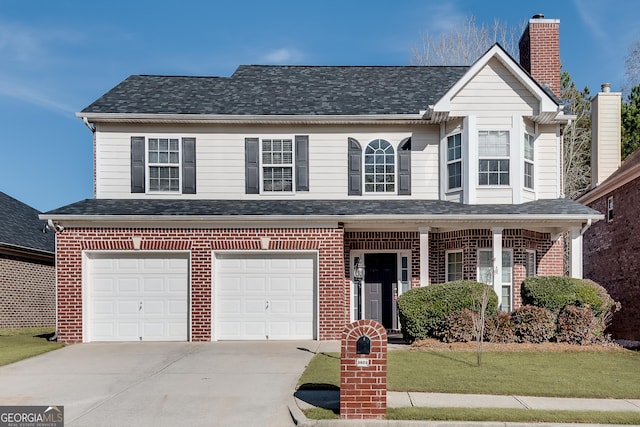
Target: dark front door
x: 380, y: 280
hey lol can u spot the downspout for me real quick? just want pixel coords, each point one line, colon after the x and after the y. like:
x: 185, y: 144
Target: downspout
x: 56, y: 228
x: 585, y: 227
x: 89, y: 125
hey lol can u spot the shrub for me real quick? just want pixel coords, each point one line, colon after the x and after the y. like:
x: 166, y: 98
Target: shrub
x: 577, y: 325
x: 498, y: 329
x: 533, y: 324
x: 557, y: 292
x: 459, y: 326
x: 422, y: 310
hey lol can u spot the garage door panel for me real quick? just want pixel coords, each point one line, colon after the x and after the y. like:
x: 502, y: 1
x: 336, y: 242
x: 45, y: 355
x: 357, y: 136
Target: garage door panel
x: 134, y: 296
x: 264, y: 296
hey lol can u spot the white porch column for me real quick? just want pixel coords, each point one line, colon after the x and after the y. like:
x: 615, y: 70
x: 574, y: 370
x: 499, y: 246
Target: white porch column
x: 576, y: 252
x: 497, y: 261
x: 424, y: 256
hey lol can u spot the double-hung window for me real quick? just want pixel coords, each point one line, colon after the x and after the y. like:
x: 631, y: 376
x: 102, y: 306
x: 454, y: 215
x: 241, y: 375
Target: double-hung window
x: 486, y: 274
x: 277, y: 165
x: 164, y: 165
x: 610, y: 209
x: 454, y: 161
x: 379, y: 167
x: 528, y: 161
x: 493, y: 154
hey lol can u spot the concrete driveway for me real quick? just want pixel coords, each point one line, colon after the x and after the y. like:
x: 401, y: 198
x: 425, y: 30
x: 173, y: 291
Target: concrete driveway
x: 163, y: 384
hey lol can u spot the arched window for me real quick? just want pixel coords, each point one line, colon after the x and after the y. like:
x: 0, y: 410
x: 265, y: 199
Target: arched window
x: 379, y: 167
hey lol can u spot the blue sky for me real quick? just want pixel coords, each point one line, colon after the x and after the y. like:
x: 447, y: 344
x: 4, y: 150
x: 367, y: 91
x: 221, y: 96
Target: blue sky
x: 56, y: 57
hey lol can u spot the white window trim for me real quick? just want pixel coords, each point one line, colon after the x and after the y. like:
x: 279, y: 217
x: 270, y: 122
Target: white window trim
x: 610, y: 209
x: 506, y: 157
x: 450, y: 162
x: 263, y: 165
x: 395, y: 169
x: 446, y: 263
x: 501, y: 283
x: 532, y: 162
x: 149, y: 165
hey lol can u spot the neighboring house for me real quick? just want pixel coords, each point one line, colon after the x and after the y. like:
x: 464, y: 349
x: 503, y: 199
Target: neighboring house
x: 27, y: 273
x: 239, y: 208
x: 611, y: 247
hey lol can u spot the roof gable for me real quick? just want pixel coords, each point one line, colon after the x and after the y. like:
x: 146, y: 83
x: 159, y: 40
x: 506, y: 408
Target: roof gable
x: 548, y: 105
x: 22, y: 228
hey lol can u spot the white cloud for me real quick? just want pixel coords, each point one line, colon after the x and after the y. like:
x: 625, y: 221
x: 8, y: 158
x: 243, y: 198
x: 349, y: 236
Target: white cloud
x: 26, y: 92
x: 442, y: 17
x: 282, y: 56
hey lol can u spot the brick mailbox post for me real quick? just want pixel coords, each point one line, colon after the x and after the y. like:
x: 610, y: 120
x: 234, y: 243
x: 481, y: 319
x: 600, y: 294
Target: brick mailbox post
x: 363, y: 371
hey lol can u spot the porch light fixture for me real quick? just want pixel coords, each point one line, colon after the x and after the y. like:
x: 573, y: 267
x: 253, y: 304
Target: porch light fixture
x: 358, y: 270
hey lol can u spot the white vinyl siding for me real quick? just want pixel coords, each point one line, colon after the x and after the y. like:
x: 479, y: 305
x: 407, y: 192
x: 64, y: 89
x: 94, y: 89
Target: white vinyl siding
x: 220, y: 171
x: 494, y: 91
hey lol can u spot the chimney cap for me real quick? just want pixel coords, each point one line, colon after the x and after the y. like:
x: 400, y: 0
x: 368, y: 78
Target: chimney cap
x: 538, y: 16
x: 605, y: 87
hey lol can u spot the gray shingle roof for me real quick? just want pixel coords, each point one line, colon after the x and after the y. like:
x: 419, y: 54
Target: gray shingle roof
x: 337, y: 208
x: 285, y: 90
x: 22, y: 228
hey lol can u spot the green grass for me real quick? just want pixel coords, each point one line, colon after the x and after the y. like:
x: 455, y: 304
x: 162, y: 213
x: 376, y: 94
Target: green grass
x: 495, y: 414
x: 19, y: 344
x: 605, y: 374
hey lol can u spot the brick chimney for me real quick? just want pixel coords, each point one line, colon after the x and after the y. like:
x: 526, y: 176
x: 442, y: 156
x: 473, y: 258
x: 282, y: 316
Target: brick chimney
x: 605, y: 134
x: 540, y: 51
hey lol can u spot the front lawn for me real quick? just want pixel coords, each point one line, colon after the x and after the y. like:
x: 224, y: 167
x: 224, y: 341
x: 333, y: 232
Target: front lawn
x: 607, y: 374
x: 18, y: 344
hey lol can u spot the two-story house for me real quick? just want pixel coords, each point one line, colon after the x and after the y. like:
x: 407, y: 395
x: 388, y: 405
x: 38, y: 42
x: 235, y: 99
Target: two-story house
x: 240, y: 207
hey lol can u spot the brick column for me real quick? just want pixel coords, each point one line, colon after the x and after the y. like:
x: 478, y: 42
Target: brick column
x: 363, y: 377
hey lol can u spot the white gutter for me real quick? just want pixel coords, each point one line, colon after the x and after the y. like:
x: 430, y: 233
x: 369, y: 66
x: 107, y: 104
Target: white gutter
x: 232, y: 118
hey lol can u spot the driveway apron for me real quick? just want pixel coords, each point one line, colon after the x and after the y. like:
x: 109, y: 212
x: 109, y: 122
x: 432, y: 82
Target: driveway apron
x: 162, y: 384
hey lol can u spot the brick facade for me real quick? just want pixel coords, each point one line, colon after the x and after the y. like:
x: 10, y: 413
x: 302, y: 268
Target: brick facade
x: 611, y: 257
x: 333, y: 246
x: 27, y: 293
x: 333, y: 315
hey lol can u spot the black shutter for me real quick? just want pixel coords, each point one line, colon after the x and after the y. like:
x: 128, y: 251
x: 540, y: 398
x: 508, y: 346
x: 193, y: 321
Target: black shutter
x: 252, y: 165
x: 302, y: 163
x: 188, y: 166
x: 137, y: 164
x: 355, y: 168
x: 404, y: 167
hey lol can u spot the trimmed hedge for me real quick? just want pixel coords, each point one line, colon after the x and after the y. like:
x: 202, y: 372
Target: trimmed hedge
x: 557, y: 292
x: 423, y: 310
x: 498, y: 329
x: 459, y: 326
x: 533, y: 324
x: 577, y: 325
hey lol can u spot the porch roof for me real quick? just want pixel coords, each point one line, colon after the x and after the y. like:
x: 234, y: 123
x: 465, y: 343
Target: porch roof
x: 556, y: 215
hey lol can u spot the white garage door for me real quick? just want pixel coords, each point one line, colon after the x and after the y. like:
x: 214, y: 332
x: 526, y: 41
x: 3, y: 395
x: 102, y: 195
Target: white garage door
x: 265, y: 297
x: 137, y: 297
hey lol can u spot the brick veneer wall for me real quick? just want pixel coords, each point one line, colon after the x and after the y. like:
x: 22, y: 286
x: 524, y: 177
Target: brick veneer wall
x: 27, y: 293
x: 332, y: 289
x: 549, y: 257
x: 611, y: 257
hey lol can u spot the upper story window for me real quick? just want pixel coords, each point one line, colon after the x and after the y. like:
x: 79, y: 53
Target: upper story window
x: 379, y: 167
x: 493, y: 153
x: 528, y: 161
x: 164, y: 164
x: 454, y: 161
x: 277, y: 165
x: 610, y: 209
